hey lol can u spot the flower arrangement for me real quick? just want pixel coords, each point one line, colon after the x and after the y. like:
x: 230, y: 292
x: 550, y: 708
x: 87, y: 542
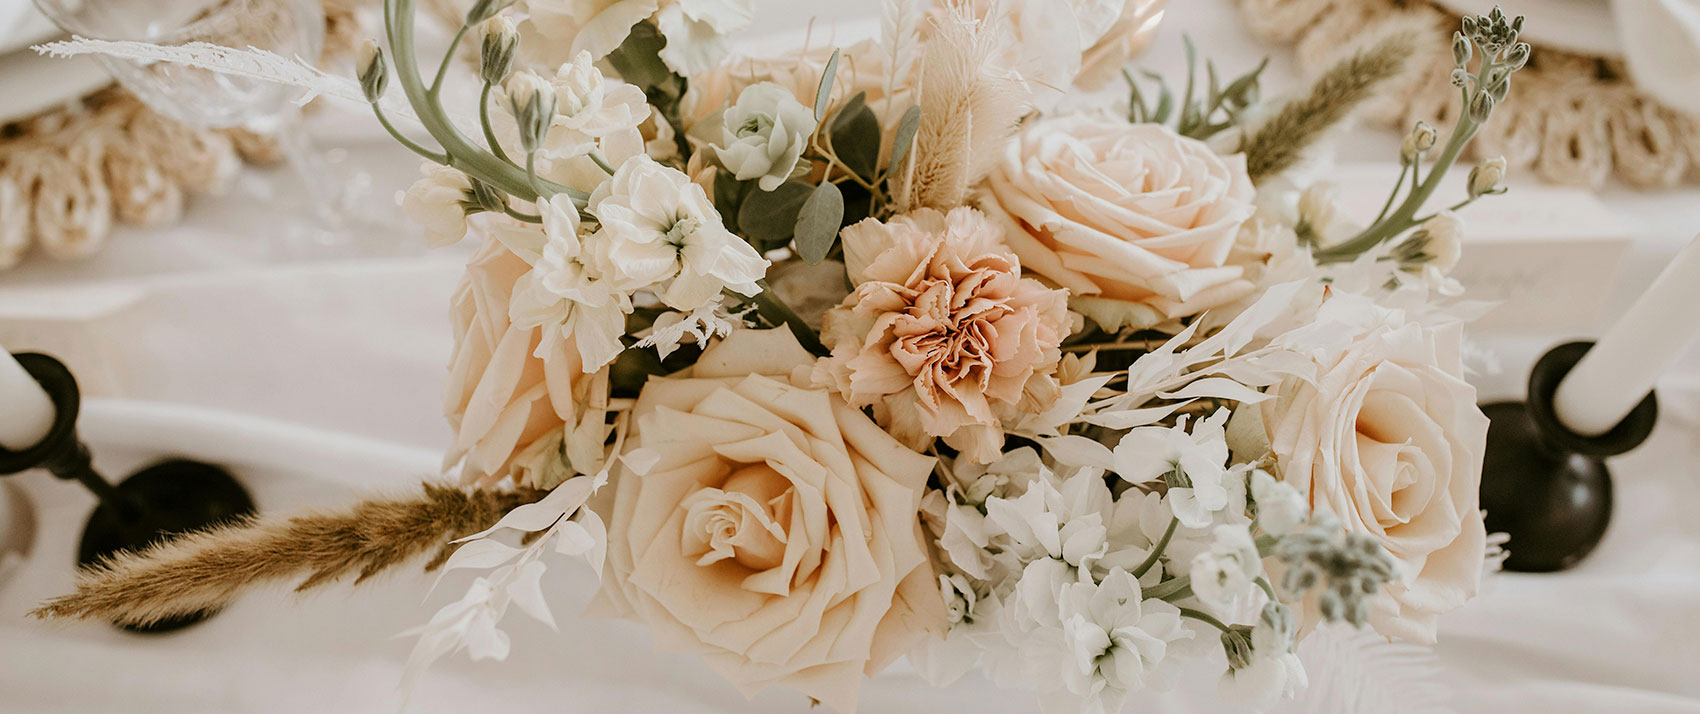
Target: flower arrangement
x: 870, y: 352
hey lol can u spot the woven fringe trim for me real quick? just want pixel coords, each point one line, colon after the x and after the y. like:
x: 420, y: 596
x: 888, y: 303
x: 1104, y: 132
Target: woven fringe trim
x: 1571, y: 119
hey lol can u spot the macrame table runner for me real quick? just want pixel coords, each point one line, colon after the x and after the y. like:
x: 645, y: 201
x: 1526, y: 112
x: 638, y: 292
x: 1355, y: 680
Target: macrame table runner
x: 1572, y: 119
x: 68, y: 174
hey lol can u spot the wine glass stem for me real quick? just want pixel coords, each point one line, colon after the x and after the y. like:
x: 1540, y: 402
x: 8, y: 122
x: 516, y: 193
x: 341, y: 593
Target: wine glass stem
x: 324, y: 193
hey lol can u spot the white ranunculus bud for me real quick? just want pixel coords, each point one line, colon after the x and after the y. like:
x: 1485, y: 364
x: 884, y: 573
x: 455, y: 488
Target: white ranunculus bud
x: 1281, y: 509
x: 438, y: 202
x: 370, y: 70
x: 1438, y: 243
x: 1418, y: 142
x: 1318, y: 204
x: 1225, y: 572
x: 763, y: 134
x: 532, y: 100
x: 496, y: 57
x: 1485, y: 177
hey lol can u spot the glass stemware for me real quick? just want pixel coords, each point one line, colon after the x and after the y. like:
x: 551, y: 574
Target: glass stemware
x: 200, y: 97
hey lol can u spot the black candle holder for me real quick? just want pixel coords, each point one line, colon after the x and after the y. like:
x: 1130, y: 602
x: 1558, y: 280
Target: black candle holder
x: 1547, y: 486
x: 170, y: 497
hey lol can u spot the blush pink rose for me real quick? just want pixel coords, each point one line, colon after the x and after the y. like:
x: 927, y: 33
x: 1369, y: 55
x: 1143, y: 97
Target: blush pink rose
x: 942, y: 332
x: 508, y: 406
x: 1133, y: 213
x: 777, y: 533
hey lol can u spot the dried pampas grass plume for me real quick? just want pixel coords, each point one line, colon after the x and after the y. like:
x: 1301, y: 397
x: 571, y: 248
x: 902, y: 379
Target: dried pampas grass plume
x: 969, y: 107
x: 1281, y: 141
x: 205, y: 571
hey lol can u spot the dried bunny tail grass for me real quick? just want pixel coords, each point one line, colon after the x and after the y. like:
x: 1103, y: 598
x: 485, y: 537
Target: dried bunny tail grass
x: 1282, y: 140
x: 968, y: 107
x: 204, y: 571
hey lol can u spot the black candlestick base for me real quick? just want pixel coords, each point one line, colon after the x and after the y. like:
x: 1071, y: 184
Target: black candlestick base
x: 1545, y: 485
x: 165, y: 499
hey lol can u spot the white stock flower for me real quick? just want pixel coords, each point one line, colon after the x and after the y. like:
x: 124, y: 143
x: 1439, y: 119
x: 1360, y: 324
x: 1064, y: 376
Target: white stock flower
x: 591, y: 109
x: 1262, y: 682
x: 554, y: 31
x: 560, y: 289
x: 1281, y: 509
x: 660, y: 231
x: 763, y: 134
x: 1066, y: 519
x: 696, y: 32
x: 436, y: 202
x: 1274, y: 671
x: 1194, y: 465
x: 1223, y: 575
x: 1115, y: 641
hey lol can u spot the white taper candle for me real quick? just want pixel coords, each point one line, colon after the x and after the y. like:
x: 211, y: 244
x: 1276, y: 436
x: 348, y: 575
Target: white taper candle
x: 1621, y: 368
x: 26, y: 413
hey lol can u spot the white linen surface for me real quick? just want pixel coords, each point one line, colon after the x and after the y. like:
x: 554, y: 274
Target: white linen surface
x: 316, y: 382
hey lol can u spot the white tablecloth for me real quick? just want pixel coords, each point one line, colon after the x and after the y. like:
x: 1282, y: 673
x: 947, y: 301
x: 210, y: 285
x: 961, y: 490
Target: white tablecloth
x: 191, y: 316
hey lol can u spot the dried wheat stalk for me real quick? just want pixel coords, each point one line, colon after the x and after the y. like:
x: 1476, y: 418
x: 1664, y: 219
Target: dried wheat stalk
x: 205, y: 571
x: 1281, y: 141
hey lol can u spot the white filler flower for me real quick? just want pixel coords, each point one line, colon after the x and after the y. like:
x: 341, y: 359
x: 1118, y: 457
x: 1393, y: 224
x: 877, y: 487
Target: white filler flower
x: 659, y: 231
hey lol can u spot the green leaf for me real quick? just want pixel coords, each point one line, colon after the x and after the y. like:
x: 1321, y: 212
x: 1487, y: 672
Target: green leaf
x: 824, y: 93
x: 1165, y: 100
x: 638, y: 60
x: 906, y: 128
x: 768, y: 218
x: 729, y: 194
x: 818, y: 221
x: 855, y: 135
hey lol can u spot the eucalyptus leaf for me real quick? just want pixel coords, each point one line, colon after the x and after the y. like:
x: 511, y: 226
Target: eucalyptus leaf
x: 823, y: 94
x: 769, y: 218
x: 905, y: 136
x: 638, y: 60
x: 818, y: 221
x: 729, y: 194
x: 855, y: 134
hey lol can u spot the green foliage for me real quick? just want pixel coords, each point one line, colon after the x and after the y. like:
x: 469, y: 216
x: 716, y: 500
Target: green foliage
x: 818, y: 222
x: 855, y: 137
x: 768, y: 219
x: 905, y: 137
x: 824, y: 93
x: 638, y: 60
x: 1218, y: 110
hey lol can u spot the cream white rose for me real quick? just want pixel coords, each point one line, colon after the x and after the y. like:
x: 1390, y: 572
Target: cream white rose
x: 1132, y: 213
x: 1389, y: 438
x: 776, y: 534
x: 763, y: 135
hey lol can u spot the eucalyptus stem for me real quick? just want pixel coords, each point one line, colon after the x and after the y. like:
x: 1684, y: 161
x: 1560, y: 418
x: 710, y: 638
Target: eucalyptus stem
x: 484, y: 119
x: 1204, y: 617
x: 1404, y: 218
x: 1173, y: 587
x: 527, y: 217
x: 1157, y: 550
x: 448, y: 57
x: 461, y: 152
x: 1397, y: 185
x: 404, y: 141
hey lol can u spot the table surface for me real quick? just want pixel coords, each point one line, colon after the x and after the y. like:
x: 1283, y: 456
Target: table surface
x: 200, y: 316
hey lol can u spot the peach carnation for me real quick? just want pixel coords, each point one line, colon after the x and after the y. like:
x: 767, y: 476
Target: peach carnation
x: 942, y: 335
